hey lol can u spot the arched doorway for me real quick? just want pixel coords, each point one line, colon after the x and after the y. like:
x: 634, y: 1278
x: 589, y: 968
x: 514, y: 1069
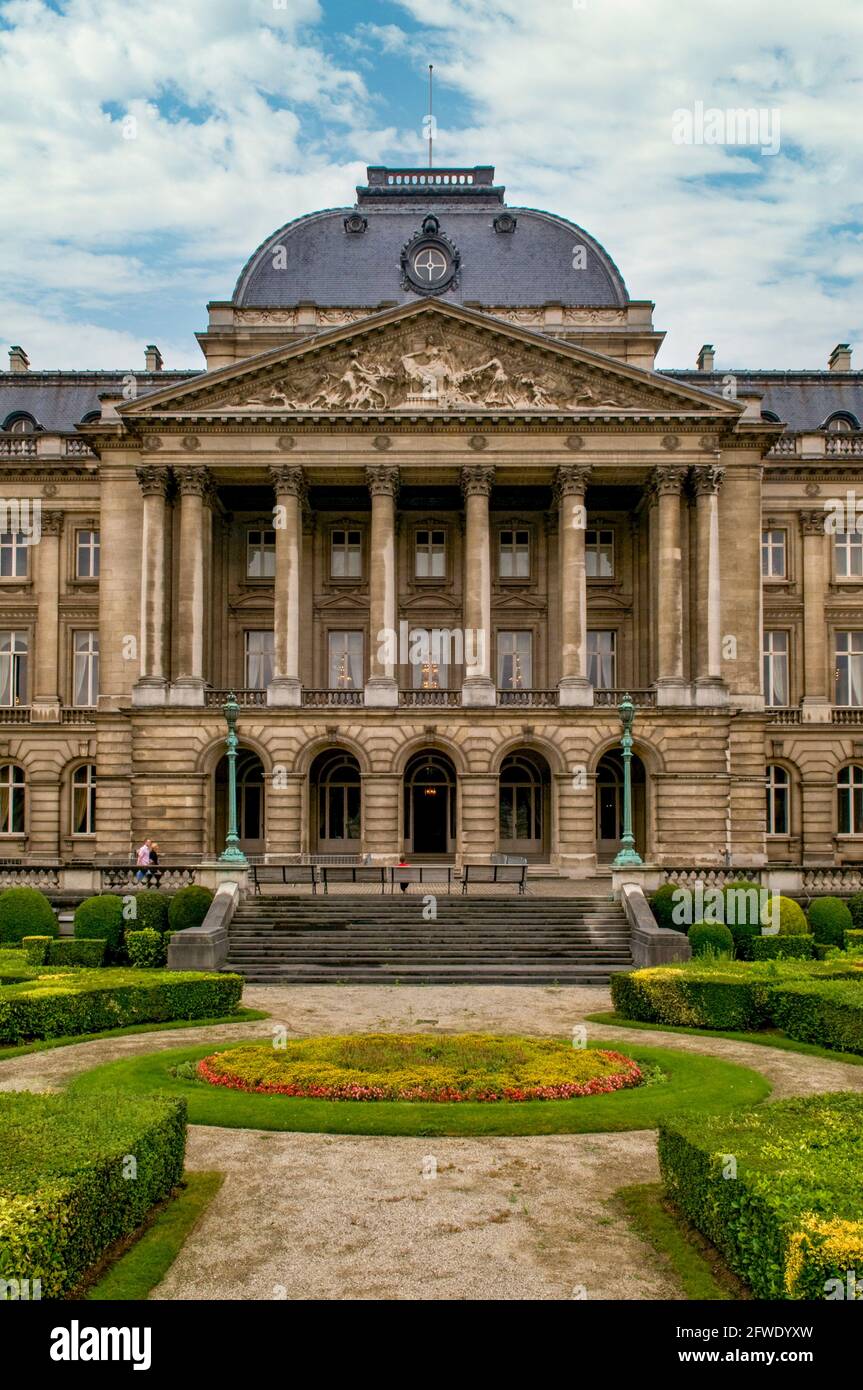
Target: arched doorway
x: 430, y: 805
x: 335, y: 800
x: 524, y: 805
x: 251, y: 802
x: 609, y: 805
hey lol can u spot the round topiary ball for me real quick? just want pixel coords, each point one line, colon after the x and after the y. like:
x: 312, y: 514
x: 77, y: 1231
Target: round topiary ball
x: 151, y: 912
x: 792, y: 918
x: 101, y: 919
x: 26, y: 912
x: 189, y: 907
x: 710, y: 939
x: 662, y: 904
x: 829, y: 919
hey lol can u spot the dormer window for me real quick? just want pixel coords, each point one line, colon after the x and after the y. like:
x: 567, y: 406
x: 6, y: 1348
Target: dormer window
x: 841, y: 423
x: 20, y: 423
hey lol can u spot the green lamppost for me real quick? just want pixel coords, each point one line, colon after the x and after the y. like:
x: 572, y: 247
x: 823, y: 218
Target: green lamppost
x: 627, y: 854
x: 232, y: 854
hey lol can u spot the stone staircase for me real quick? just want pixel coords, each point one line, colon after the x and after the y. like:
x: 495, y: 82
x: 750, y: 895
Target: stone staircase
x: 295, y: 939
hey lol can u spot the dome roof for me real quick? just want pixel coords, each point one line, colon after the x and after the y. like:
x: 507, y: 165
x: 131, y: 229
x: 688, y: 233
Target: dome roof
x: 542, y: 259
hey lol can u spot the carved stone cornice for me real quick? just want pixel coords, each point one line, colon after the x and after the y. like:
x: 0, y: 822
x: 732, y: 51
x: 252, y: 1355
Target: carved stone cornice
x: 288, y: 478
x: 812, y: 523
x: 382, y: 480
x: 706, y: 480
x: 153, y: 481
x: 571, y: 480
x: 477, y: 479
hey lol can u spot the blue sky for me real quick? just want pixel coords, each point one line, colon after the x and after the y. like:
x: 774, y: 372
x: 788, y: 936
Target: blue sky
x: 146, y: 150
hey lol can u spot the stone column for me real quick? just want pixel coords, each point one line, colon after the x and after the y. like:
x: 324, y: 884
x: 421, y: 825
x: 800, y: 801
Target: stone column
x: 382, y: 685
x: 574, y: 688
x: 671, y: 688
x: 44, y: 694
x: 151, y: 686
x: 817, y: 694
x: 479, y: 685
x: 285, y: 687
x: 188, y: 688
x: 709, y: 686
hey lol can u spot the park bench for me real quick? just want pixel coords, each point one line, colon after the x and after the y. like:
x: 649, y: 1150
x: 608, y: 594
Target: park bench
x: 353, y: 873
x: 283, y: 874
x: 493, y: 873
x: 420, y: 873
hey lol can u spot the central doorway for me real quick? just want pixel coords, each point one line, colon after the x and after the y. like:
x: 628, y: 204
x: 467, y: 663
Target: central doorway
x: 430, y: 805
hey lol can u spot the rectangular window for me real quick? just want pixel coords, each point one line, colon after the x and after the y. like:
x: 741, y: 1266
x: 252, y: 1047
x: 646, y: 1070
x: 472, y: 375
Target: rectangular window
x: 346, y: 555
x: 849, y: 668
x: 86, y: 554
x: 84, y: 800
x: 773, y: 555
x: 261, y: 555
x: 429, y: 653
x: 848, y: 554
x: 259, y: 659
x: 13, y: 555
x: 430, y: 553
x: 85, y: 677
x: 599, y: 554
x: 776, y: 668
x: 345, y: 661
x: 13, y: 668
x: 778, y: 790
x: 514, y: 555
x: 515, y: 660
x: 602, y: 659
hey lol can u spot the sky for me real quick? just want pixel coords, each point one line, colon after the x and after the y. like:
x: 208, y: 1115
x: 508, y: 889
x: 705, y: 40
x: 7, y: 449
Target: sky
x: 146, y: 149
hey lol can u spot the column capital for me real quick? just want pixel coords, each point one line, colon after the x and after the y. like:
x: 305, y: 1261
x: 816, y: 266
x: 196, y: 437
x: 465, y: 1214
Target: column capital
x: 813, y: 523
x: 152, y: 480
x: 571, y: 480
x: 289, y: 478
x: 193, y: 481
x: 51, y: 523
x: 382, y: 479
x: 707, y: 479
x: 666, y: 480
x: 477, y: 479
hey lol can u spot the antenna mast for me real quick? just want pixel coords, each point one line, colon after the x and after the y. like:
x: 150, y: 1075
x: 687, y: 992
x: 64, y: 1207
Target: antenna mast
x: 431, y: 117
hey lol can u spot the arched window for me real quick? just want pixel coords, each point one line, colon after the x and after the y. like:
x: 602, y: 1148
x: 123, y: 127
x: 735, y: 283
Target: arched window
x: 841, y: 422
x: 20, y: 423
x: 850, y: 793
x: 771, y: 417
x: 91, y: 417
x: 522, y: 804
x: 12, y: 795
x: 336, y: 776
x: 84, y: 800
x: 778, y: 800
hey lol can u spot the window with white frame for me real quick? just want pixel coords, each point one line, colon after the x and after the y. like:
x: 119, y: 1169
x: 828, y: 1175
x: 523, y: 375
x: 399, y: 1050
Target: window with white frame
x: 849, y: 787
x: 775, y: 663
x: 778, y: 800
x: 85, y: 676
x: 259, y: 659
x: 12, y: 799
x: 848, y: 554
x: 346, y: 554
x: 84, y: 800
x: 849, y: 668
x: 515, y: 660
x: 345, y: 660
x: 13, y: 555
x: 13, y: 668
x: 86, y: 554
x: 774, y: 560
x: 599, y: 554
x: 260, y: 554
x: 430, y: 554
x: 514, y: 555
x: 602, y: 659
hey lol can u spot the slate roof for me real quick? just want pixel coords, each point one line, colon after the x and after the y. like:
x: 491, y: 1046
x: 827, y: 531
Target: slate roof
x: 59, y: 400
x: 801, y: 400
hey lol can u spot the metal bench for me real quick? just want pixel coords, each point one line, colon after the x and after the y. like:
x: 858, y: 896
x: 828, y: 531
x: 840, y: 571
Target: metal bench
x: 283, y: 874
x: 420, y: 873
x: 355, y: 873
x: 493, y: 873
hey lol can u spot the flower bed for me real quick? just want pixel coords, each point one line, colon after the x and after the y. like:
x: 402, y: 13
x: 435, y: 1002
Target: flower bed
x: 422, y: 1067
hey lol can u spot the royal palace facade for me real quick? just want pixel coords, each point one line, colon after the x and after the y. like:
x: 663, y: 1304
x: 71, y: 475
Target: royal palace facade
x: 430, y: 510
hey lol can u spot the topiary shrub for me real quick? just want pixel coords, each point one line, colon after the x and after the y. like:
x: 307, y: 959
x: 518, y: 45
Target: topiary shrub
x: 829, y: 919
x: 710, y: 939
x: 102, y: 918
x: 855, y: 907
x: 189, y: 907
x: 150, y: 911
x: 662, y: 904
x: 26, y: 912
x: 146, y: 948
x: 792, y: 918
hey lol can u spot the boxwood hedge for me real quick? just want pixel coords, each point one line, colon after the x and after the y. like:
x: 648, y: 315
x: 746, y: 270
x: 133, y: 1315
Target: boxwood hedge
x: 828, y: 1012
x: 776, y: 1189
x: 829, y: 919
x: 189, y: 907
x: 88, y: 1001
x: 44, y: 950
x: 77, y: 1175
x: 782, y: 948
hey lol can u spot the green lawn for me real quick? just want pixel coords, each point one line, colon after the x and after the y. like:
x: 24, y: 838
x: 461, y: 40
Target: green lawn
x: 770, y: 1037
x: 693, y: 1083
x: 43, y: 1045
x: 687, y: 1256
x: 144, y: 1265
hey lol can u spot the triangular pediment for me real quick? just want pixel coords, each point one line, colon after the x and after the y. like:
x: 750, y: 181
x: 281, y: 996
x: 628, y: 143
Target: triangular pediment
x: 429, y: 357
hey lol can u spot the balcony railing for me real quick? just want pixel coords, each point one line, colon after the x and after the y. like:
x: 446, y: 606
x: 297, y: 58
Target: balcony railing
x: 420, y: 699
x: 17, y: 446
x: 642, y: 699
x: 815, y: 443
x: 247, y: 699
x: 844, y: 714
x: 320, y: 699
x: 845, y: 445
x: 784, y: 714
x: 528, y: 699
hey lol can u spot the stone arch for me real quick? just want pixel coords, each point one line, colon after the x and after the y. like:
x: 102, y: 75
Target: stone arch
x: 338, y: 742
x: 211, y: 754
x: 432, y: 743
x: 534, y: 744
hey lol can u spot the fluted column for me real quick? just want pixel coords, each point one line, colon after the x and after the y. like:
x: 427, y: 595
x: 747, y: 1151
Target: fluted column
x: 285, y: 687
x: 817, y: 696
x: 479, y: 685
x: 671, y: 689
x: 709, y: 686
x: 45, y: 693
x: 574, y: 688
x: 194, y: 485
x: 151, y: 686
x: 382, y: 684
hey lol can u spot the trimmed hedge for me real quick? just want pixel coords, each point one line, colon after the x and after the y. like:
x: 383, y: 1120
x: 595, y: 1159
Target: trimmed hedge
x: 828, y: 1012
x: 44, y: 950
x: 782, y: 948
x: 709, y: 938
x: 776, y: 1189
x: 77, y: 1175
x: 102, y: 918
x: 147, y: 948
x: 84, y: 1001
x: 829, y: 919
x: 854, y: 941
x: 26, y: 912
x: 189, y: 907
x: 150, y: 911
x: 855, y: 907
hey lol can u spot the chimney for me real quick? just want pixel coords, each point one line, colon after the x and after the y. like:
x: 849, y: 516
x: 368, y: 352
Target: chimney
x: 153, y: 359
x: 840, y: 358
x: 18, y: 360
x: 705, y: 358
